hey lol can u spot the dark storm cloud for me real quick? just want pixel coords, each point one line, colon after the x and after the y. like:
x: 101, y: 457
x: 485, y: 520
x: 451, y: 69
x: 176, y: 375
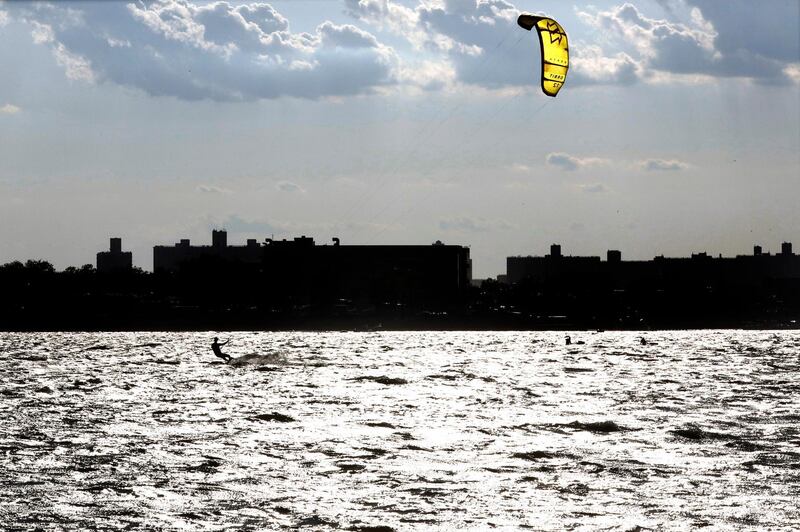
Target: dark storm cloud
x: 215, y: 51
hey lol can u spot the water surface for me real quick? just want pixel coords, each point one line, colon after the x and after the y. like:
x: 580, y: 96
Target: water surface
x: 407, y: 430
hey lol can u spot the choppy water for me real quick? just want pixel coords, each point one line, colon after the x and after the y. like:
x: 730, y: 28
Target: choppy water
x: 416, y: 430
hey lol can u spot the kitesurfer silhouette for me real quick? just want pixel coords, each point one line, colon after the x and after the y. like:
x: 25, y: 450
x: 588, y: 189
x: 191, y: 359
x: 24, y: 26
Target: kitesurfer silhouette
x: 218, y: 352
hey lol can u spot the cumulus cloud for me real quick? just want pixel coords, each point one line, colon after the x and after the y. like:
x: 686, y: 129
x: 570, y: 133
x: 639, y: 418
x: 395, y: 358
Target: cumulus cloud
x: 76, y: 67
x: 480, y: 39
x: 473, y: 225
x: 592, y: 188
x: 208, y: 51
x: 482, y: 42
x: 715, y: 39
x: 428, y: 75
x: 387, y: 15
x: 654, y: 39
x: 236, y: 224
x: 701, y: 40
x: 577, y: 227
x: 663, y: 165
x: 9, y: 109
x: 288, y: 186
x: 766, y: 29
x: 792, y: 72
x: 563, y: 161
x: 229, y: 52
x: 590, y: 66
x: 571, y: 163
x: 211, y: 189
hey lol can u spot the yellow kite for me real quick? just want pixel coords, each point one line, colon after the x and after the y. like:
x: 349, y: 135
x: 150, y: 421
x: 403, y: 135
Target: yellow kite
x: 555, y: 50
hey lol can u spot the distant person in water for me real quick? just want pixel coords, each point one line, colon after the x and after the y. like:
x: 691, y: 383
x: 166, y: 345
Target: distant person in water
x: 218, y: 352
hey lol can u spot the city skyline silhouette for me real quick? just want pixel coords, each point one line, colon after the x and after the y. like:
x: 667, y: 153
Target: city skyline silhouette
x: 278, y: 284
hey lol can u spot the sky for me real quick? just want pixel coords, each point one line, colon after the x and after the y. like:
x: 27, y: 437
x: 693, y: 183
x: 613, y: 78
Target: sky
x: 398, y: 122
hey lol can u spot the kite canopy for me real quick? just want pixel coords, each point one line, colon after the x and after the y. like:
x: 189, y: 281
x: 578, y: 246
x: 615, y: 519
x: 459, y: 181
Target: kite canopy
x: 555, y: 50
